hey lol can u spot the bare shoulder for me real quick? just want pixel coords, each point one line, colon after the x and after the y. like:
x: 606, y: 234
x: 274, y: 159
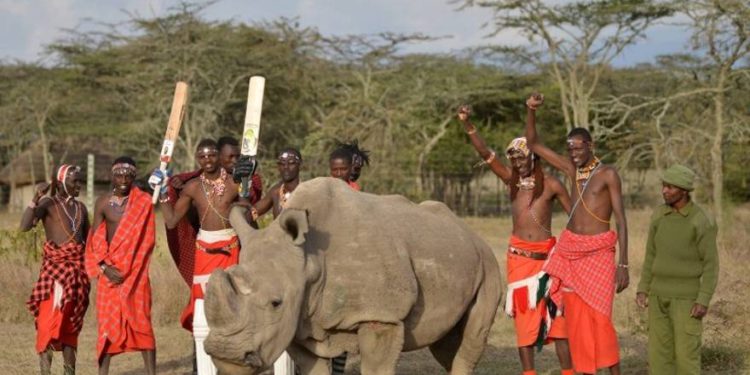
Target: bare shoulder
x: 191, y: 187
x: 610, y: 172
x: 275, y: 188
x: 45, y: 202
x: 552, y: 181
x: 100, y: 201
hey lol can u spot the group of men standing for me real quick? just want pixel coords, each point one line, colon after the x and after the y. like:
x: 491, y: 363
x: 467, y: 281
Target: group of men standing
x: 563, y: 290
x: 559, y: 290
x: 117, y: 249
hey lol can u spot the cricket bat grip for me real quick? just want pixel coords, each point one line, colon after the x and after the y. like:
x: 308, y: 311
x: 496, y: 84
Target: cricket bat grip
x: 157, y: 188
x: 245, y: 187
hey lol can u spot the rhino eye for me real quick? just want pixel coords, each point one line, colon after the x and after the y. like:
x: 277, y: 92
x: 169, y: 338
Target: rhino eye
x: 276, y: 303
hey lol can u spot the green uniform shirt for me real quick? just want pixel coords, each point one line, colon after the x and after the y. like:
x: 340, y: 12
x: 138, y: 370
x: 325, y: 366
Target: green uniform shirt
x: 681, y: 258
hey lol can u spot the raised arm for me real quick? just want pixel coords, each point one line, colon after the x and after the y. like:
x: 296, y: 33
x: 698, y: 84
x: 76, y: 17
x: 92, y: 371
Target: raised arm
x: 173, y: 215
x: 36, y: 209
x: 476, y: 140
x: 532, y: 139
x: 622, y: 276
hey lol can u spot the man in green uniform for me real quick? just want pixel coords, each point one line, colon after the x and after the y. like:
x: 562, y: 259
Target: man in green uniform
x: 679, y: 276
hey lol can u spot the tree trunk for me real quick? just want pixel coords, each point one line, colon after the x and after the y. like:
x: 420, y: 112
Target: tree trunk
x: 717, y: 155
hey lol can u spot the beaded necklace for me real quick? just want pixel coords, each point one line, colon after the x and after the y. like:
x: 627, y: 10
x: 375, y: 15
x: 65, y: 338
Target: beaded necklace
x: 217, y: 190
x: 584, y: 174
x: 217, y: 186
x: 283, y: 195
x: 118, y: 204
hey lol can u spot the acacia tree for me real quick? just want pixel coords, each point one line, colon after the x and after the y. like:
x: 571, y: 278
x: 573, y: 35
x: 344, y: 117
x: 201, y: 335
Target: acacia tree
x: 574, y: 41
x: 721, y: 30
x: 134, y: 72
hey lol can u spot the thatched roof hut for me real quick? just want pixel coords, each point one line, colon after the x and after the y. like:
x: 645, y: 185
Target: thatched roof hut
x: 27, y: 169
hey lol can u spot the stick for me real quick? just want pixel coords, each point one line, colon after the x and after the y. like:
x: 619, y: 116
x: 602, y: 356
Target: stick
x: 179, y: 105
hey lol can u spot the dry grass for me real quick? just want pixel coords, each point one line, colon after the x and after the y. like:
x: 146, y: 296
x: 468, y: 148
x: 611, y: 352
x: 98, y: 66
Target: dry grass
x: 726, y: 337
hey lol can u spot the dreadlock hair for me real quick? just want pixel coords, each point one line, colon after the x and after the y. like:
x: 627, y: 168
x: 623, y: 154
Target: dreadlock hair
x: 353, y: 148
x: 538, y: 180
x: 227, y: 140
x: 341, y: 153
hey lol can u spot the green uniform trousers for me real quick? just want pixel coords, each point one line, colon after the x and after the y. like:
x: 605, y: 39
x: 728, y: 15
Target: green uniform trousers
x: 674, y: 337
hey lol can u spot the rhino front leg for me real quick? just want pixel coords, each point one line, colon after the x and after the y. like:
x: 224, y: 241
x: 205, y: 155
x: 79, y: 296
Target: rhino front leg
x: 380, y: 345
x: 308, y: 363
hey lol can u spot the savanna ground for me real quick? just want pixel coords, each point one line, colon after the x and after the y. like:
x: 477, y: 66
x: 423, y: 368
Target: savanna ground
x: 726, y: 333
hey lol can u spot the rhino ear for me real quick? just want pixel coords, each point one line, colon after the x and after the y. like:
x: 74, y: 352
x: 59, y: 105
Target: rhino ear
x: 294, y: 222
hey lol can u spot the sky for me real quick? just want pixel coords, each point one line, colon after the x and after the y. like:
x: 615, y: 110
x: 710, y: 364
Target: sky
x: 27, y: 25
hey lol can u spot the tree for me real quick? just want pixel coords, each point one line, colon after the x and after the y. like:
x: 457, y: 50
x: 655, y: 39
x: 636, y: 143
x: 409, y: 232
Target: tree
x: 574, y: 41
x: 721, y: 30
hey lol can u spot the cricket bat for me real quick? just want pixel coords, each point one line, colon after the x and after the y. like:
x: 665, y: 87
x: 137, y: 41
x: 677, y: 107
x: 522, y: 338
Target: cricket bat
x: 251, y: 131
x: 179, y: 105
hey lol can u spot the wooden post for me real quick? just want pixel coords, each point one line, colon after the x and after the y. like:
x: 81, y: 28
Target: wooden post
x: 90, y: 177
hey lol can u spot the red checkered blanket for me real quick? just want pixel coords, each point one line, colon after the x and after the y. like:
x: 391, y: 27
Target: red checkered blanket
x: 585, y: 264
x: 64, y: 264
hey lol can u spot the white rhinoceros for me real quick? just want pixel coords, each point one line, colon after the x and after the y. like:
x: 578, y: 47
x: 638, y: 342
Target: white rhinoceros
x: 344, y: 271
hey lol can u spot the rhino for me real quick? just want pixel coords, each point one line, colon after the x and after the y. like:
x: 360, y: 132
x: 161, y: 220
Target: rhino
x: 346, y: 271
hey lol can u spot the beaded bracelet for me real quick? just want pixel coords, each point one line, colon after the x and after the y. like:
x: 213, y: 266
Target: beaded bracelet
x: 491, y: 158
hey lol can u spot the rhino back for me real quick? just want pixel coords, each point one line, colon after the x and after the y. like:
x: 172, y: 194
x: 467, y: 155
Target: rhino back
x: 388, y: 259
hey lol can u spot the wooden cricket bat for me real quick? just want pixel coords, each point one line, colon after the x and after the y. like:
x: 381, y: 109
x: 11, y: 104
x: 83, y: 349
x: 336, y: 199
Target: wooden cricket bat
x: 179, y: 105
x: 251, y: 131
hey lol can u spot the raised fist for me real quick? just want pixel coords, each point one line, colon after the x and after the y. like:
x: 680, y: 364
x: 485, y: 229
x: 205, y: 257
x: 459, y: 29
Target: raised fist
x: 158, y: 180
x: 535, y: 101
x: 40, y: 190
x: 464, y: 112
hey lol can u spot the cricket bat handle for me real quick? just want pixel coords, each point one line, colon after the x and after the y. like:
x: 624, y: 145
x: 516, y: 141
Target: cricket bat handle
x: 245, y: 187
x: 157, y: 188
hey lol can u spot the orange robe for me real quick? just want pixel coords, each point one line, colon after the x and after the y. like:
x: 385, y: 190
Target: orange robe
x: 530, y: 315
x: 584, y: 270
x: 214, y: 249
x: 124, y: 311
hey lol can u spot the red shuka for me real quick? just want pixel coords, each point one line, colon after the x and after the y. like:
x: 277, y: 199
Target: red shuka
x: 124, y: 311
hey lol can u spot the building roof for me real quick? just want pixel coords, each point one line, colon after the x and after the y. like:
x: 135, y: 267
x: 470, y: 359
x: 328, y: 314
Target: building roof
x: 28, y: 167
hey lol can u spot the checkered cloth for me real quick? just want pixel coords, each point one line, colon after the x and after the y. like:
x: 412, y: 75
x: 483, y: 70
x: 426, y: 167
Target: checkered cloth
x: 63, y: 264
x: 127, y: 304
x: 585, y: 264
x: 181, y: 239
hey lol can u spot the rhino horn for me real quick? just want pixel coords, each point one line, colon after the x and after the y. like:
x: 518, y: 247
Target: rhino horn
x: 220, y: 300
x: 294, y: 222
x: 238, y: 220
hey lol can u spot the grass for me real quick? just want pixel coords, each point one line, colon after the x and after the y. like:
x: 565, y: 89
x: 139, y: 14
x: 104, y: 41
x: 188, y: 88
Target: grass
x: 726, y: 335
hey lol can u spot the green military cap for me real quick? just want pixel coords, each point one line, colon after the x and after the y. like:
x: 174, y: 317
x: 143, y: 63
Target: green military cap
x: 680, y: 176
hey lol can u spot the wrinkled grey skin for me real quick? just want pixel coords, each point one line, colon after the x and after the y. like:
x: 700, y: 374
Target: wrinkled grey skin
x: 346, y: 271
